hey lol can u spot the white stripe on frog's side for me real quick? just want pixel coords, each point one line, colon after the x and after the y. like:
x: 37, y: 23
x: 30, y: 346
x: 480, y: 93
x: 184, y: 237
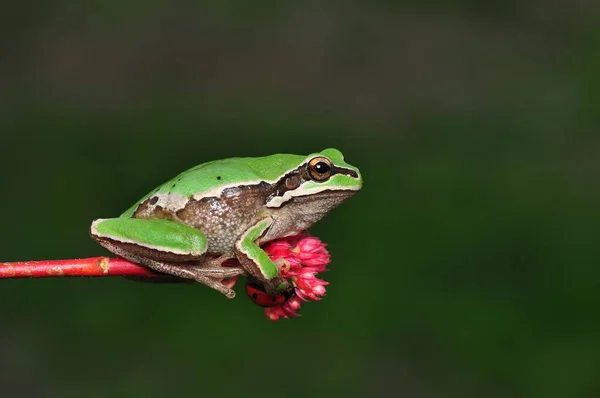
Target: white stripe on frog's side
x: 216, y: 192
x: 169, y: 201
x: 173, y: 201
x: 277, y: 201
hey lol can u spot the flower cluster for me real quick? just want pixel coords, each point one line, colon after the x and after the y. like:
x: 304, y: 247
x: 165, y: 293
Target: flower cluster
x: 300, y: 258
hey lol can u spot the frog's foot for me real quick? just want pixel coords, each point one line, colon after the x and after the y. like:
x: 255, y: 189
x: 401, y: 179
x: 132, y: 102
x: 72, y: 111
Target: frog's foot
x: 210, y: 277
x: 216, y: 262
x: 217, y: 272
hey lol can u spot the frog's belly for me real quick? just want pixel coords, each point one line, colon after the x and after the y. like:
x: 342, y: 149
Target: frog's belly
x: 222, y: 237
x: 222, y: 220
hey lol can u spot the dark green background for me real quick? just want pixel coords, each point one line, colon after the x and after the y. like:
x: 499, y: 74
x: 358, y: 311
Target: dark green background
x: 467, y: 266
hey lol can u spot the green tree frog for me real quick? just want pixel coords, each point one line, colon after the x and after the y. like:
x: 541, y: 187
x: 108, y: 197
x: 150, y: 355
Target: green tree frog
x: 225, y: 209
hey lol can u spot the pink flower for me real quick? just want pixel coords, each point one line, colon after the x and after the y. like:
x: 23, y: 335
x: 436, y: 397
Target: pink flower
x: 280, y: 252
x: 300, y: 258
x: 311, y: 252
x: 309, y: 287
x: 286, y: 310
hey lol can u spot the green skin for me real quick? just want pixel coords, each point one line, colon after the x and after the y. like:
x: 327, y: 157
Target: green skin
x: 216, y: 211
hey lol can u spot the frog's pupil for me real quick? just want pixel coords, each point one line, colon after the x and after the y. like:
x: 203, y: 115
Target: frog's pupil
x: 321, y: 167
x: 254, y: 296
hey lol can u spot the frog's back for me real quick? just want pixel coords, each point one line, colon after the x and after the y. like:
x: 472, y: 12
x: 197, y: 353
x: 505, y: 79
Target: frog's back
x: 220, y: 174
x: 211, y: 178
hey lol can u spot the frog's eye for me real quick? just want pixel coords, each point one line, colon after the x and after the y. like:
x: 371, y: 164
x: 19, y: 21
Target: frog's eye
x: 319, y: 168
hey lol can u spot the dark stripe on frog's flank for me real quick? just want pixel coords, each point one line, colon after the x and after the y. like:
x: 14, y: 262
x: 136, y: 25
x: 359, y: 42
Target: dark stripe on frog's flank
x: 344, y: 170
x: 233, y: 171
x: 264, y: 190
x: 280, y: 188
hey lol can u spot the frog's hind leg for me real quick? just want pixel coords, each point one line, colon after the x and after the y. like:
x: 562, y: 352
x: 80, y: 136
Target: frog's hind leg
x: 164, y: 246
x: 182, y: 270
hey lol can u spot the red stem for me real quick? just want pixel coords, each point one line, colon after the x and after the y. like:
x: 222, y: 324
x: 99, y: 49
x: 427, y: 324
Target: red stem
x: 93, y: 266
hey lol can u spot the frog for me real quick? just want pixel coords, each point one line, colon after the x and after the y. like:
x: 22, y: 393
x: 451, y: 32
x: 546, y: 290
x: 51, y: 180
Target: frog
x: 221, y: 210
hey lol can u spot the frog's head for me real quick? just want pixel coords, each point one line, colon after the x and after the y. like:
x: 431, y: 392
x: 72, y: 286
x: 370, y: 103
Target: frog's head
x: 320, y: 182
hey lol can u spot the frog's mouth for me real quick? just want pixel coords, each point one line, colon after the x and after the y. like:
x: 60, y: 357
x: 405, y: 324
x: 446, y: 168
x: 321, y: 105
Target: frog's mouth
x: 316, y: 193
x: 321, y: 202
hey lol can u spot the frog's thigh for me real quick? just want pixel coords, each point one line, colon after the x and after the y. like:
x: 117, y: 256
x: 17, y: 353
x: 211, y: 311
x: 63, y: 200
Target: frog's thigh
x: 158, y: 239
x: 252, y: 257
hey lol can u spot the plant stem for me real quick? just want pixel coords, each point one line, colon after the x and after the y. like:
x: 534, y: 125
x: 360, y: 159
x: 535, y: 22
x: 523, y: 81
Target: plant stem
x: 93, y: 266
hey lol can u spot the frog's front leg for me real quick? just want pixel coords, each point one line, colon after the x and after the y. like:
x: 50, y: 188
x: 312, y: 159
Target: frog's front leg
x: 164, y: 246
x: 256, y: 262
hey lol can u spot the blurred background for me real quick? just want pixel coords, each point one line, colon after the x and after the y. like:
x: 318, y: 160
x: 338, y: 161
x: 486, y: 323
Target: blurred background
x: 467, y: 266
